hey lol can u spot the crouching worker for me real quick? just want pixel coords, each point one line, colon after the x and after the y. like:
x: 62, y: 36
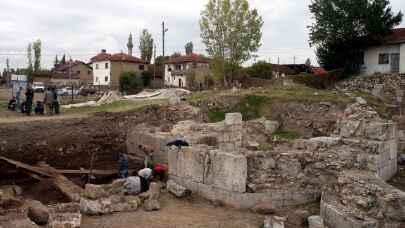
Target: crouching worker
x: 135, y: 185
x: 39, y: 108
x: 159, y: 172
x: 12, y: 104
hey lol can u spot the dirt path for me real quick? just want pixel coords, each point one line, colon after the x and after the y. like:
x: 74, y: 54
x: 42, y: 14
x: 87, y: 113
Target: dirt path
x: 13, y: 117
x: 175, y: 213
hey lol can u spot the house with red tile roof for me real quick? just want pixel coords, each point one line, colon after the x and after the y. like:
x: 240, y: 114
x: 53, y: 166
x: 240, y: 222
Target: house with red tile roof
x: 107, y: 68
x: 388, y: 57
x: 192, y: 71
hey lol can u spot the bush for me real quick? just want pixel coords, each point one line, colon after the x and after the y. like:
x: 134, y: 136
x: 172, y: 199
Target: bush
x: 326, y: 81
x: 249, y: 107
x: 130, y: 82
x: 146, y: 78
x: 260, y: 69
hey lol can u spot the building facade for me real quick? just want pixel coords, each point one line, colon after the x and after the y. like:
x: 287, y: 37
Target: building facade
x: 187, y: 71
x: 389, y: 57
x: 77, y: 71
x: 107, y: 68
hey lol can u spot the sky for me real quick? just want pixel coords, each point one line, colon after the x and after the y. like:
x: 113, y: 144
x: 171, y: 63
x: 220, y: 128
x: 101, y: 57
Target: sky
x: 81, y: 28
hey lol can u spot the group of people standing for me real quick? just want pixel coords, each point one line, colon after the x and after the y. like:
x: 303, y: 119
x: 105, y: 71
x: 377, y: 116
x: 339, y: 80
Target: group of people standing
x: 17, y: 103
x: 20, y: 105
x: 51, y: 101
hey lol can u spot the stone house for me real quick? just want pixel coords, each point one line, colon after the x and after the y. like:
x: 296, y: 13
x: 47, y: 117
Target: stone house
x: 77, y: 71
x: 192, y: 71
x: 107, y: 68
x: 388, y: 57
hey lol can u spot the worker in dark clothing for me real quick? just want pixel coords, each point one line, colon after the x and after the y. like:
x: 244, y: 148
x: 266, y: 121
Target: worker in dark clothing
x: 12, y: 104
x: 55, y: 105
x: 29, y: 98
x: 39, y: 108
x: 123, y: 166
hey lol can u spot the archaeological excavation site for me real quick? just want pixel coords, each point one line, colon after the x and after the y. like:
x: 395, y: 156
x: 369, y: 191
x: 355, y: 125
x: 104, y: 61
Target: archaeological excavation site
x: 274, y: 156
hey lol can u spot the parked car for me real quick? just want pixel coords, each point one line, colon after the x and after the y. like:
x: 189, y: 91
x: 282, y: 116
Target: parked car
x: 38, y: 87
x: 67, y: 91
x: 86, y: 91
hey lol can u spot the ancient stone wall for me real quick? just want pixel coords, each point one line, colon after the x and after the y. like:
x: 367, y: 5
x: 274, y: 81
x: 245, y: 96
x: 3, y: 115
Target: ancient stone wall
x: 359, y: 199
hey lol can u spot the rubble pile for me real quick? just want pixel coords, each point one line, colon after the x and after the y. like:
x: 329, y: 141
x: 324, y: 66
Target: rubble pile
x: 107, y: 199
x: 359, y: 199
x: 387, y: 87
x: 15, y: 211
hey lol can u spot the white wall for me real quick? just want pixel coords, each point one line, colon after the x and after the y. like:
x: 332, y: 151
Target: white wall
x: 402, y: 59
x: 173, y: 80
x: 100, y: 73
x: 371, y: 65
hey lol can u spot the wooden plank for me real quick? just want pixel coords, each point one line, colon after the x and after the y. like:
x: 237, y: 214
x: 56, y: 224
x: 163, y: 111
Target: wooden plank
x: 25, y: 166
x: 67, y: 187
x: 86, y: 171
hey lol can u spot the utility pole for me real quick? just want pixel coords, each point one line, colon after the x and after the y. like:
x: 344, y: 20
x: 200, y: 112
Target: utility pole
x: 164, y: 30
x: 154, y: 63
x: 294, y: 60
x: 70, y: 76
x: 278, y: 66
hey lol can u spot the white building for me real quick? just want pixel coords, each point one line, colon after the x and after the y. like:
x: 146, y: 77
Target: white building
x: 107, y: 68
x: 388, y: 57
x: 178, y: 71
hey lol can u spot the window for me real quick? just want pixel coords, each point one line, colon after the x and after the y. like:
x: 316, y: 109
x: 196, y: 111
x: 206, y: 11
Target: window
x: 178, y: 67
x: 106, y: 65
x: 96, y: 66
x: 194, y: 65
x: 383, y: 59
x: 96, y: 79
x: 361, y: 58
x: 141, y: 67
x: 106, y: 78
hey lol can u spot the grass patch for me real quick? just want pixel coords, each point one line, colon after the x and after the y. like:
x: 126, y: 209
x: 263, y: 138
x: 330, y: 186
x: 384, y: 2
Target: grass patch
x: 304, y: 94
x: 286, y: 135
x: 118, y: 106
x: 196, y: 97
x: 249, y: 106
x: 215, y: 117
x: 3, y: 105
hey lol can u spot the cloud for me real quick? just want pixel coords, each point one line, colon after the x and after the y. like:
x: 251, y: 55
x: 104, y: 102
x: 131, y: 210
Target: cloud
x: 82, y: 28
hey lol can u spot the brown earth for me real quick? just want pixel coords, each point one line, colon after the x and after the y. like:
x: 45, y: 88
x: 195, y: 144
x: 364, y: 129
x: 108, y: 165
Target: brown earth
x: 175, y: 213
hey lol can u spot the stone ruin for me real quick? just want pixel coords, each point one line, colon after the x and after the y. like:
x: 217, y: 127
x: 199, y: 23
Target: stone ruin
x: 239, y: 164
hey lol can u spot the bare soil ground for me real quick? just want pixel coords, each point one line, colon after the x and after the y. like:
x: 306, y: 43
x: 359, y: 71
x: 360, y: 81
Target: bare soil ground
x: 175, y: 213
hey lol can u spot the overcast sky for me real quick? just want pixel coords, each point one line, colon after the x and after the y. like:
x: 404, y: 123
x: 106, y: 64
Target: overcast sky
x: 81, y: 28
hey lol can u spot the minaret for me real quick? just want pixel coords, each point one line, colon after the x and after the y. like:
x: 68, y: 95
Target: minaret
x: 130, y: 45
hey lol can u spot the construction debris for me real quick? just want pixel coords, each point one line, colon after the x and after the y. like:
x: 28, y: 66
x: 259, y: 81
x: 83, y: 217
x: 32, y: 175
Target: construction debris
x: 44, y: 171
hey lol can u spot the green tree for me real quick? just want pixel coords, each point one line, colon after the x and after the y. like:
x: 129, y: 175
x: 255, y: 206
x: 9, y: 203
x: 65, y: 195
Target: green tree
x: 146, y: 78
x: 146, y: 45
x: 308, y: 62
x: 29, y: 56
x: 63, y: 60
x: 56, y: 63
x: 231, y: 32
x: 160, y: 60
x: 189, y: 48
x: 342, y: 28
x: 130, y: 82
x: 175, y: 55
x: 260, y: 69
x: 36, y: 46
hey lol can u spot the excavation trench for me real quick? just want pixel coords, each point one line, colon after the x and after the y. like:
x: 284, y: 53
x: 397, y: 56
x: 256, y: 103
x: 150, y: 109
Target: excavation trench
x: 91, y: 143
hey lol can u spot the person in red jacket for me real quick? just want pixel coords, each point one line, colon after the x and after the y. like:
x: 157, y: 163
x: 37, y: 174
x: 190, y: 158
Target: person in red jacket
x: 159, y: 172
